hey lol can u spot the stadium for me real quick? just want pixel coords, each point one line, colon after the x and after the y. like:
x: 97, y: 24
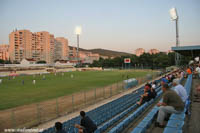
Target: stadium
x: 108, y: 96
x: 122, y: 113
x: 55, y: 81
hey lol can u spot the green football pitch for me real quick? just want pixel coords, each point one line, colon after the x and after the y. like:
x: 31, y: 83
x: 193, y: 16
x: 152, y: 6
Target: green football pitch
x: 21, y: 90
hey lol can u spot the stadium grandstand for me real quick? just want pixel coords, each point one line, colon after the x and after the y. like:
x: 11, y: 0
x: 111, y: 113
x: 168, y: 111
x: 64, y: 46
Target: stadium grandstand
x: 186, y: 51
x: 124, y: 115
x: 193, y: 51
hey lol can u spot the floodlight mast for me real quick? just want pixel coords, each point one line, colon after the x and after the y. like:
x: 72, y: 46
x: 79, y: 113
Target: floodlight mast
x: 78, y: 32
x: 78, y: 48
x: 177, y: 55
x: 174, y: 17
x: 177, y: 33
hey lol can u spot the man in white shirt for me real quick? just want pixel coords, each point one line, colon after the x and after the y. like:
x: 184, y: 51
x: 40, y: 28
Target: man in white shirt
x: 198, y: 70
x: 180, y: 90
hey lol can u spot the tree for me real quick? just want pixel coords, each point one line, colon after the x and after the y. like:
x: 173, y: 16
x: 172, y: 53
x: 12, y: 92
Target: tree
x: 1, y: 61
x: 153, y: 61
x: 16, y: 62
x: 171, y: 58
x: 41, y: 62
x: 7, y: 62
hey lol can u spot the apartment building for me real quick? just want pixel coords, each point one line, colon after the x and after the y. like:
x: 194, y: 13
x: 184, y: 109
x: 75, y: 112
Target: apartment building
x: 61, y: 48
x: 88, y: 57
x: 153, y: 51
x: 20, y: 45
x: 57, y: 50
x: 44, y: 47
x: 139, y: 51
x: 24, y: 44
x: 4, y: 52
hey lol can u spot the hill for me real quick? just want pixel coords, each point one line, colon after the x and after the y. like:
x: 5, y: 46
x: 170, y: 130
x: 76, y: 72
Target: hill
x: 105, y: 52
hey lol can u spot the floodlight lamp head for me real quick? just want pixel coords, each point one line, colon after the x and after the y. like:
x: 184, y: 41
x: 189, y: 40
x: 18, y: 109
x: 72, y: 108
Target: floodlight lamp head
x: 78, y: 30
x: 173, y: 14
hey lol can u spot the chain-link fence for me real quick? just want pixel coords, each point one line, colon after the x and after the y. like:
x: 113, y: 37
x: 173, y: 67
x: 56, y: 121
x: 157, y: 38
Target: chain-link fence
x: 34, y: 114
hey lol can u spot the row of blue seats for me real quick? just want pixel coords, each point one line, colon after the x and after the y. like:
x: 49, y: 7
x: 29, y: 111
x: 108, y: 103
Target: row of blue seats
x: 97, y: 113
x: 146, y: 122
x: 104, y: 112
x: 176, y: 121
x: 118, y: 117
x: 134, y: 115
x: 113, y: 109
x: 100, y: 115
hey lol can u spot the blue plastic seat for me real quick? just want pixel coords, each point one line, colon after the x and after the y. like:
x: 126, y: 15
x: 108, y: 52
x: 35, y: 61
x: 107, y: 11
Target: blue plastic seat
x: 148, y: 119
x: 137, y: 112
x: 172, y: 130
x: 71, y: 130
x: 120, y: 127
x: 138, y: 130
x: 178, y: 124
x: 126, y: 122
x: 178, y: 116
x: 114, y: 130
x: 152, y: 113
x: 143, y: 124
x: 97, y: 131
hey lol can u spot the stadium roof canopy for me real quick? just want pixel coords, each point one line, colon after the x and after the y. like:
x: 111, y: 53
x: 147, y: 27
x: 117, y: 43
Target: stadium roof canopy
x: 193, y: 51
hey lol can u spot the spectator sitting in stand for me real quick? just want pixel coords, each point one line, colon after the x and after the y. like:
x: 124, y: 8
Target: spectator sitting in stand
x: 153, y: 91
x: 189, y: 71
x: 172, y: 78
x: 169, y: 77
x: 147, y: 94
x: 172, y: 103
x: 164, y: 81
x: 87, y: 125
x: 154, y: 84
x: 180, y: 90
x: 198, y: 71
x: 58, y: 126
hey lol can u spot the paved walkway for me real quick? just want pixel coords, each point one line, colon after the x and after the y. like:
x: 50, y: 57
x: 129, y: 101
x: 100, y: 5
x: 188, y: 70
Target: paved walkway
x: 193, y: 121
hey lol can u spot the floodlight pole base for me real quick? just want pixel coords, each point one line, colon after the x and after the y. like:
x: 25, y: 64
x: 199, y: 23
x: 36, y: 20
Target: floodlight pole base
x: 177, y: 55
x: 177, y: 59
x: 77, y: 50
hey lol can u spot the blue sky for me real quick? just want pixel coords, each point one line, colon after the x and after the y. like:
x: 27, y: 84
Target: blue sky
x: 122, y: 25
